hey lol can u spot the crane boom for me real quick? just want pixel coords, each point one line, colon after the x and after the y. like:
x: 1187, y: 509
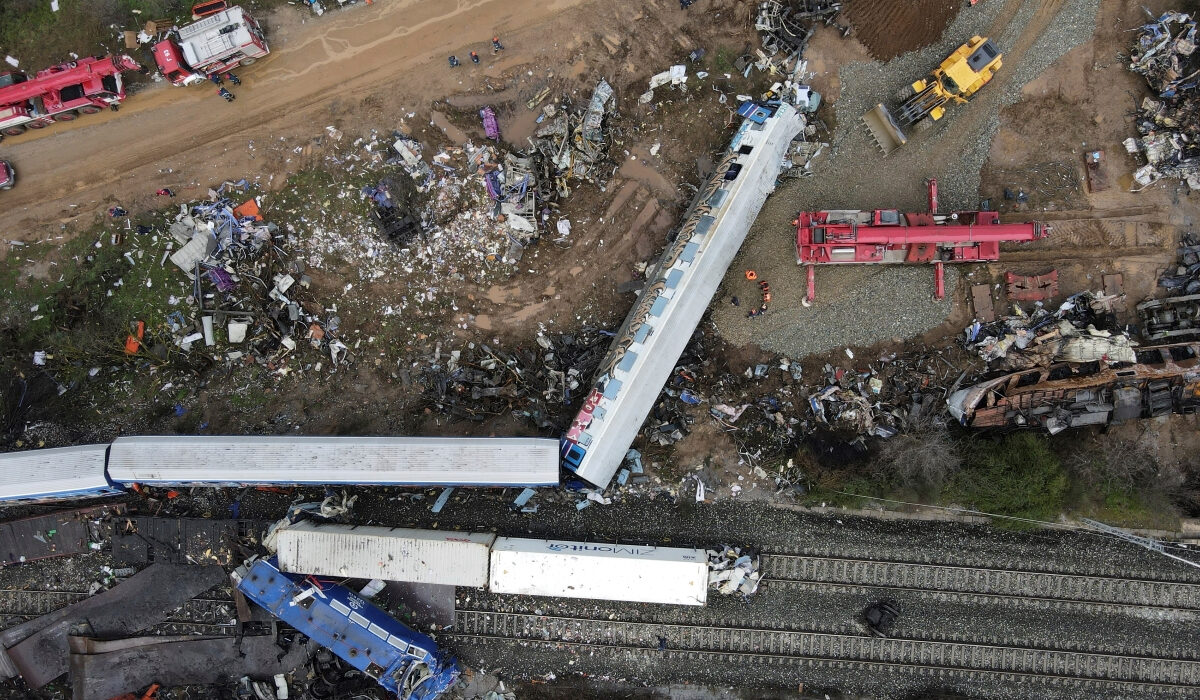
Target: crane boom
x: 91, y: 70
x: 890, y: 236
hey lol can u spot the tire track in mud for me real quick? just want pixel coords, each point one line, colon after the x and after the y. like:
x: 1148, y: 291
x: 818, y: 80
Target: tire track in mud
x: 889, y: 28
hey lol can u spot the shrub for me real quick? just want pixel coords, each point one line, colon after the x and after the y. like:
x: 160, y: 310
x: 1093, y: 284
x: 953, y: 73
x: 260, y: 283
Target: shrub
x: 1018, y: 475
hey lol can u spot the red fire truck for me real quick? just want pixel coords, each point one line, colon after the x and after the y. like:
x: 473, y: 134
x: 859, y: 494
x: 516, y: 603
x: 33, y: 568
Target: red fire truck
x: 61, y: 93
x: 217, y: 43
x: 887, y: 236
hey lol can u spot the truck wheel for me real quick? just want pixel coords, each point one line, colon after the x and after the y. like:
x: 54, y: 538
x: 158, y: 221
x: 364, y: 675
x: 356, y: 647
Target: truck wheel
x: 248, y: 61
x: 68, y: 116
x: 924, y: 125
x: 36, y: 125
x: 905, y: 92
x: 89, y: 109
x: 13, y: 130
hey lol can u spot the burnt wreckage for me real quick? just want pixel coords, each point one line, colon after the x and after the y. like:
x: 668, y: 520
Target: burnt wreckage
x: 1176, y: 318
x: 1164, y: 379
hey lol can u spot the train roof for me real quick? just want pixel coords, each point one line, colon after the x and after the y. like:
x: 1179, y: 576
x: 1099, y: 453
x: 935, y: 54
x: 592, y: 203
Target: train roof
x: 399, y: 461
x: 55, y: 472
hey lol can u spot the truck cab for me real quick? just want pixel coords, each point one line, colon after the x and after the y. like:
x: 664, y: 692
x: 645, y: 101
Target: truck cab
x: 217, y: 43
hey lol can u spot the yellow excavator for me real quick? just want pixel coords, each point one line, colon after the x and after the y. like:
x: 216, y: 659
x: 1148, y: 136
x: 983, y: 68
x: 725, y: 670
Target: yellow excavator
x: 924, y: 102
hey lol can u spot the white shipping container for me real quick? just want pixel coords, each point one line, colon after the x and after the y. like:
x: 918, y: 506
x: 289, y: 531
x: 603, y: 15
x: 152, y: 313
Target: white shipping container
x: 388, y: 553
x: 602, y: 571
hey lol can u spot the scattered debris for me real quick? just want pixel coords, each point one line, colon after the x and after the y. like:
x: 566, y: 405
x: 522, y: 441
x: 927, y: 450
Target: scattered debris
x: 56, y: 534
x: 730, y: 570
x: 534, y: 384
x: 1081, y: 329
x: 1164, y: 52
x: 786, y: 27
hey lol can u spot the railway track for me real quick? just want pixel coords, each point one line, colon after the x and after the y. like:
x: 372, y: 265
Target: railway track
x: 199, y: 615
x: 1045, y: 589
x: 1097, y: 672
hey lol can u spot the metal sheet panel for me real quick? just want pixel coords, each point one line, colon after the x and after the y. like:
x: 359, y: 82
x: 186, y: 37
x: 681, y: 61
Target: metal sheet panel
x: 204, y: 460
x: 599, y: 571
x: 388, y: 553
x: 57, y: 472
x: 55, y: 534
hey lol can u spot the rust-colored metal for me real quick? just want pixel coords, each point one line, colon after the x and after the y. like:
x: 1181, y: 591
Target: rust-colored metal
x: 1011, y: 400
x: 1031, y: 287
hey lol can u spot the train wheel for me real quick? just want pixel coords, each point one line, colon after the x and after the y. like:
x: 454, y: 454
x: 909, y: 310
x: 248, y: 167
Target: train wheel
x: 13, y: 130
x: 89, y: 109
x: 68, y: 116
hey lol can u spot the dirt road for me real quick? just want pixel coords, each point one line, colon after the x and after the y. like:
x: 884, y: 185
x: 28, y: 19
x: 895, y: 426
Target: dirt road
x: 320, y: 72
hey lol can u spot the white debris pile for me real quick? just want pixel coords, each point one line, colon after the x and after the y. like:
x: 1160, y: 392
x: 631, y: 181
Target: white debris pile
x: 733, y: 570
x: 244, y: 291
x: 1081, y: 329
x: 472, y: 210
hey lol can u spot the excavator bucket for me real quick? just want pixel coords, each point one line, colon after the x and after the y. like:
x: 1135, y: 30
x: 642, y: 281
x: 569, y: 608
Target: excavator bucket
x: 884, y: 129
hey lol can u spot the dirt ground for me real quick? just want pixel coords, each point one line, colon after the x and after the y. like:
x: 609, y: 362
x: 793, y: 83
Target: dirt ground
x: 1085, y: 102
x: 351, y: 68
x: 889, y: 28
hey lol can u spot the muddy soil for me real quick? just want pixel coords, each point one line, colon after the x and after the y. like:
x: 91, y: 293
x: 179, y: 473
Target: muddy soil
x: 889, y: 28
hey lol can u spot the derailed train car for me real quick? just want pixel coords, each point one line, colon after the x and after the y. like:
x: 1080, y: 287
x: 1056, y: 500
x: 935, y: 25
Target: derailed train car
x: 402, y: 660
x: 56, y: 473
x: 552, y: 568
x: 92, y: 471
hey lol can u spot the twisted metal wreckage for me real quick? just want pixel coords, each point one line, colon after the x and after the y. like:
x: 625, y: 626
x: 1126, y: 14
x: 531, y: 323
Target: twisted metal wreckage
x: 1164, y: 52
x: 1176, y: 318
x: 242, y: 284
x: 1075, y: 367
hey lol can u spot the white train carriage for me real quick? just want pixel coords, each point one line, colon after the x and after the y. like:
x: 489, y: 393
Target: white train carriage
x: 55, y: 473
x: 388, y: 553
x: 295, y: 461
x: 634, y: 573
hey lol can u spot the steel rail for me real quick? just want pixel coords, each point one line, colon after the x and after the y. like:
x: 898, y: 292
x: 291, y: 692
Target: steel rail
x: 794, y: 646
x: 985, y: 582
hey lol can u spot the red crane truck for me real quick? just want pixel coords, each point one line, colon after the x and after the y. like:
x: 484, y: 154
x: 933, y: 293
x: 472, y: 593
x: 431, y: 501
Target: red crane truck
x: 887, y: 236
x: 217, y: 43
x: 61, y: 93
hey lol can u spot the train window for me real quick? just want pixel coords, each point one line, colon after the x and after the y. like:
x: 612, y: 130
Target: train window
x: 1180, y: 353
